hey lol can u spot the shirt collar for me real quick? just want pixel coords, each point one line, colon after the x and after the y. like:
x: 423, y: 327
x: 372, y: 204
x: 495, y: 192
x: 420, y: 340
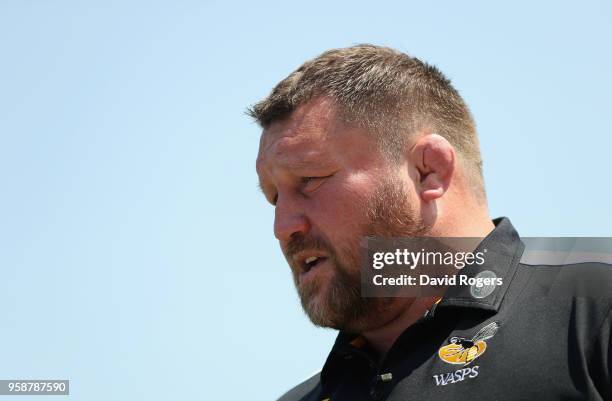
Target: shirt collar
x: 503, y: 248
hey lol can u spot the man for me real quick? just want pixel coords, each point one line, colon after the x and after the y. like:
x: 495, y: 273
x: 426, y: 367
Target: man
x: 369, y: 142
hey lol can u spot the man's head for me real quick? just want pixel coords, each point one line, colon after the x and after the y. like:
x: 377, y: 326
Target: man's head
x: 362, y: 141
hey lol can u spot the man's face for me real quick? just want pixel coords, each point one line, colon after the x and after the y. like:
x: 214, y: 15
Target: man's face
x: 331, y: 187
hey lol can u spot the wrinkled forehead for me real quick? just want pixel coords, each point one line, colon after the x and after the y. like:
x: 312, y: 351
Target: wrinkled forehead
x: 309, y: 129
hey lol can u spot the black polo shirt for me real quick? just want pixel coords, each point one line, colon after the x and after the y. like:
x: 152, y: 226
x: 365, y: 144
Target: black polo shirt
x: 542, y: 335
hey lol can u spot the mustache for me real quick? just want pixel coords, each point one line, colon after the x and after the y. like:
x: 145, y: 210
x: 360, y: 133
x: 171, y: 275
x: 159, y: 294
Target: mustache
x: 299, y: 243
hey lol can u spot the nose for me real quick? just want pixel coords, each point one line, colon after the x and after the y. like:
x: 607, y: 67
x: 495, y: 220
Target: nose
x: 289, y: 219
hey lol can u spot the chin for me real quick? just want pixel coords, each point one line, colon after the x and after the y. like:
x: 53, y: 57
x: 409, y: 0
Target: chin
x: 320, y: 312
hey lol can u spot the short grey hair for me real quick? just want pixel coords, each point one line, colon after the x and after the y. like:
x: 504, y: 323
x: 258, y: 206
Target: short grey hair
x: 384, y: 91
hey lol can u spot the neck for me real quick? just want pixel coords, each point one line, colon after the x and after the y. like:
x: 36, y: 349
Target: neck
x: 383, y: 337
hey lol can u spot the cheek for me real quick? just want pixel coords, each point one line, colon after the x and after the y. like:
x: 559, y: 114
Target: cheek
x: 341, y: 208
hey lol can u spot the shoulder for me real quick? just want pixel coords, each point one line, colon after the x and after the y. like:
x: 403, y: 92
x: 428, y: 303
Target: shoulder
x: 576, y: 298
x: 586, y: 279
x: 298, y: 392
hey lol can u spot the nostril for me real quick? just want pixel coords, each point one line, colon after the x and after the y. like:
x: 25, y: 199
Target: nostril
x: 285, y: 227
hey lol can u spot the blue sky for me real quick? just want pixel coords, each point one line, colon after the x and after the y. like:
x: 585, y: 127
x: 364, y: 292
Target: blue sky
x: 137, y: 256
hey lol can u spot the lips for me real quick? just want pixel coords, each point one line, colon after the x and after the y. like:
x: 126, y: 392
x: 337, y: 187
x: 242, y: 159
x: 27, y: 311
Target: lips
x: 311, y: 263
x: 306, y: 262
x: 311, y: 271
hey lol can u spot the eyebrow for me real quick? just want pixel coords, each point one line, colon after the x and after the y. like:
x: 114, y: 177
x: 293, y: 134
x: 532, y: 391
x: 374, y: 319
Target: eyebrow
x: 317, y: 160
x: 261, y: 189
x: 259, y: 183
x: 298, y: 165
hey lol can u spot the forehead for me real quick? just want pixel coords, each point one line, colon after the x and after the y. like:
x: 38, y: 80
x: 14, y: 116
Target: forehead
x: 312, y: 129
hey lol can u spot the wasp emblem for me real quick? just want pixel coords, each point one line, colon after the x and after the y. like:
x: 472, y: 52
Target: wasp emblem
x: 462, y: 351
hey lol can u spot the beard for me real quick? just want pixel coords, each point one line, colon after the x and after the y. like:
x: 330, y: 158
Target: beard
x: 340, y: 306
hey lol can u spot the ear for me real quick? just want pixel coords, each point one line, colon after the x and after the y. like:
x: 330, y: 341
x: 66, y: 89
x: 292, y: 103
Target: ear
x: 434, y: 158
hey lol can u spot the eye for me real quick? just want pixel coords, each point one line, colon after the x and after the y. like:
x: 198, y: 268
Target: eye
x: 310, y: 184
x: 306, y: 180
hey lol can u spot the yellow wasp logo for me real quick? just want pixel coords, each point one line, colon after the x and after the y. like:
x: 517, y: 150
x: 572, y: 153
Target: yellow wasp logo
x: 462, y: 351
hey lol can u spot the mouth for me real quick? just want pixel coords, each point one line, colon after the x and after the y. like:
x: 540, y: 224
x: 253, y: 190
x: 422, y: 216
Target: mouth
x: 311, y: 263
x: 308, y: 263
